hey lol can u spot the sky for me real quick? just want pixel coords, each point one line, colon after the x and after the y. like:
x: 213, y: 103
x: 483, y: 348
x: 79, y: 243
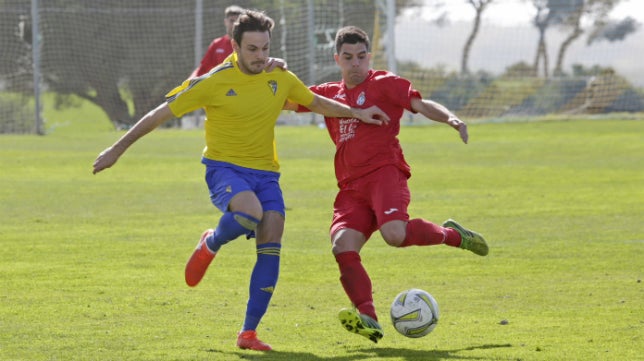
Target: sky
x: 514, y: 12
x: 507, y: 37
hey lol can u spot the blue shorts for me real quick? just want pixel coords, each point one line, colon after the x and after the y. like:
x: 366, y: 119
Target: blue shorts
x: 225, y: 180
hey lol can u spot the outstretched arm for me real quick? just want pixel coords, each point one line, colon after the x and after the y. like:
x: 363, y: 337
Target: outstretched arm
x: 145, y: 125
x: 439, y: 113
x: 332, y: 108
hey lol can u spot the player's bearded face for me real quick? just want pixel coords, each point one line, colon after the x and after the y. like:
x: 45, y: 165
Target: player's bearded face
x: 253, y: 51
x: 353, y: 61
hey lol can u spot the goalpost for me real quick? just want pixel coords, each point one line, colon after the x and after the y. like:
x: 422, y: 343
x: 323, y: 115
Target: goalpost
x: 35, y: 30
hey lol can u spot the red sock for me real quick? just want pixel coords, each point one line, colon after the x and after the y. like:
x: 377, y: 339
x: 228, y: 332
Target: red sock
x: 453, y: 237
x: 423, y: 233
x: 356, y: 282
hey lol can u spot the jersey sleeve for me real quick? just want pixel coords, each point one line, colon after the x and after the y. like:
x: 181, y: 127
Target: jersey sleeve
x: 316, y: 90
x: 300, y: 93
x: 322, y: 90
x: 400, y: 91
x: 186, y: 97
x: 196, y: 93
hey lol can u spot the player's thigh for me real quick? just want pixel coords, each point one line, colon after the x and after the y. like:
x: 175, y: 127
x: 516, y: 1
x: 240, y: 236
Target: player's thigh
x: 246, y: 202
x: 233, y: 189
x: 271, y: 228
x: 268, y: 191
x: 351, y: 210
x: 390, y: 196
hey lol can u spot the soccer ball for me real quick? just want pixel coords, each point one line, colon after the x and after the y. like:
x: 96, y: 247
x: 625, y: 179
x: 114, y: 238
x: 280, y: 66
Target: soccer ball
x: 414, y: 313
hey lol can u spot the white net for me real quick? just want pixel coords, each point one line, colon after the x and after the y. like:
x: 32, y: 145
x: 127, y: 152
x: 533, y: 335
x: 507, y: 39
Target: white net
x: 123, y: 56
x: 525, y: 58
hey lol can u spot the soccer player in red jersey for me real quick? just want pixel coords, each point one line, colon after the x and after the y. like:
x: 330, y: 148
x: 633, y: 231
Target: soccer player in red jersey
x: 221, y: 47
x: 372, y: 175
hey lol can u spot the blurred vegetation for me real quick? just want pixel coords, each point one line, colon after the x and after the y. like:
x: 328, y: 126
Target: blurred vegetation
x: 516, y: 92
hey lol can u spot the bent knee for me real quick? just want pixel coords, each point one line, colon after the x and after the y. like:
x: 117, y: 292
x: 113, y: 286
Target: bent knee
x: 394, y: 237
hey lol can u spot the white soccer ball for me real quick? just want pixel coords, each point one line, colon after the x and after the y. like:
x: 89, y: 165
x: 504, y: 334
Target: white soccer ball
x: 414, y: 313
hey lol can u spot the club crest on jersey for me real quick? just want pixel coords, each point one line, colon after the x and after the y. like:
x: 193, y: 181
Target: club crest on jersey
x: 361, y: 98
x: 273, y: 85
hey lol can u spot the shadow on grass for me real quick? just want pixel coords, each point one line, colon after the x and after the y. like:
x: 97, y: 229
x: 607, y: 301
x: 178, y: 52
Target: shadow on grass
x: 372, y: 352
x: 427, y: 355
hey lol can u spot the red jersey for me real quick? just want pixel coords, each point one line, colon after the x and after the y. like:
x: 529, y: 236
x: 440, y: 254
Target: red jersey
x: 217, y: 51
x: 363, y: 148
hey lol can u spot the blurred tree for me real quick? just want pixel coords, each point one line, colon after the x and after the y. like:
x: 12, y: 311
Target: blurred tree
x: 570, y: 15
x: 442, y: 18
x: 479, y: 6
x: 541, y: 21
x: 567, y: 14
x: 615, y: 30
x: 124, y: 56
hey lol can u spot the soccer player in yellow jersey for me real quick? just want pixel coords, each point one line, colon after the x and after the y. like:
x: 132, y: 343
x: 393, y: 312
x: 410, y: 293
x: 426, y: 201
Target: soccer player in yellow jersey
x: 242, y: 102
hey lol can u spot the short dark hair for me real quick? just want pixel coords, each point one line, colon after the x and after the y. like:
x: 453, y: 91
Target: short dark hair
x: 252, y: 20
x: 233, y: 10
x: 350, y: 35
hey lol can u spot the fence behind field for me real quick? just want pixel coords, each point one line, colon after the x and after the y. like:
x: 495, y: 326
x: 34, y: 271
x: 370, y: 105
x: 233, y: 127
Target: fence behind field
x: 125, y: 55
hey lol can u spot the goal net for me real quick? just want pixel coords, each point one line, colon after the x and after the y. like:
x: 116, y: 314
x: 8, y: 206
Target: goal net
x: 124, y: 56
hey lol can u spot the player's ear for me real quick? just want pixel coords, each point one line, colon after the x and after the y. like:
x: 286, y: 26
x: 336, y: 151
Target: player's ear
x: 336, y: 57
x: 235, y: 45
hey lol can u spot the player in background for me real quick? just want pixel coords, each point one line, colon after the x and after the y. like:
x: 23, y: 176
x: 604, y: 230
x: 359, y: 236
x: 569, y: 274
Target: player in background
x: 221, y: 47
x: 242, y: 103
x: 218, y: 50
x: 372, y: 175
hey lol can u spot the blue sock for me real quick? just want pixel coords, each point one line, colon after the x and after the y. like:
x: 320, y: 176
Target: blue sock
x: 231, y: 225
x: 262, y: 283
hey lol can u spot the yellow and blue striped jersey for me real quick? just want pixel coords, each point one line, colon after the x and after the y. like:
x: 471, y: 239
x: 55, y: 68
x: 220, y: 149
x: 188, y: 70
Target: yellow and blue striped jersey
x: 241, y: 111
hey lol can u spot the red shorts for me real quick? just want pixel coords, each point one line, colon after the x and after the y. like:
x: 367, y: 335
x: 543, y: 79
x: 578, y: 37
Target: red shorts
x: 371, y: 201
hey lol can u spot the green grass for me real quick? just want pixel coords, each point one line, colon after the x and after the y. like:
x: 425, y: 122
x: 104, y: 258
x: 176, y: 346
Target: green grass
x: 92, y: 266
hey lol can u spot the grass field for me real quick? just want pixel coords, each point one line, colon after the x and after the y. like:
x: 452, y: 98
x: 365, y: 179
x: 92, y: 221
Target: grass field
x: 92, y: 266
